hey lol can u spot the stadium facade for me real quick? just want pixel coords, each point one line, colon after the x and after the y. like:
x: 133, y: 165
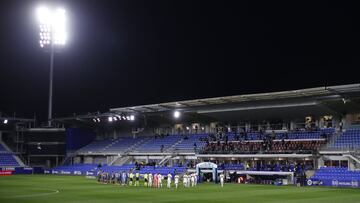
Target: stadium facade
x: 309, y: 134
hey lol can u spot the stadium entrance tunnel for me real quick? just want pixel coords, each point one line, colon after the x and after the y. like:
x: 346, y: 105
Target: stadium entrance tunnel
x: 207, y: 171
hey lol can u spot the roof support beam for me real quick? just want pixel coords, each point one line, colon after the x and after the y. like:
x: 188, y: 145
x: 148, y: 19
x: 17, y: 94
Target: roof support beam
x: 181, y: 103
x: 130, y: 109
x: 150, y: 108
x: 165, y: 106
x: 203, y: 102
x: 227, y: 100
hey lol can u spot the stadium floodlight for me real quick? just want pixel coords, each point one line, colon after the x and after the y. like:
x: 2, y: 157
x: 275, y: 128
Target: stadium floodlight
x: 124, y: 118
x: 128, y: 118
x: 132, y: 117
x: 94, y: 119
x: 5, y: 121
x: 110, y: 119
x: 115, y: 118
x: 52, y: 32
x: 176, y: 114
x: 187, y: 128
x: 52, y: 25
x: 98, y: 119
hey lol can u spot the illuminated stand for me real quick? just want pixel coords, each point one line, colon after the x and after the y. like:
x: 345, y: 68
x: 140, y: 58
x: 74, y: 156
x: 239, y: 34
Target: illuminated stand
x: 207, y: 167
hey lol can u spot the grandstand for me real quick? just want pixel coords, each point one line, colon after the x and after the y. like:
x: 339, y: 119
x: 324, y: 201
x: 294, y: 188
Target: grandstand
x: 350, y: 139
x: 190, y: 143
x: 158, y: 144
x: 7, y: 158
x: 147, y: 144
x: 290, y: 136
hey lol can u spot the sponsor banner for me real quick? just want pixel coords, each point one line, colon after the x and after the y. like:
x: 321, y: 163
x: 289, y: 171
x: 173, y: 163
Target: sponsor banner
x: 54, y: 172
x: 77, y: 173
x: 90, y: 173
x: 315, y: 182
x: 352, y: 183
x: 23, y: 170
x: 335, y: 183
x: 46, y: 172
x: 38, y: 170
x: 65, y: 172
x: 6, y: 172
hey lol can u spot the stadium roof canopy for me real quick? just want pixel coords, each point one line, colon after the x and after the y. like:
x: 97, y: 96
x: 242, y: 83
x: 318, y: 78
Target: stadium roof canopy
x: 342, y: 92
x: 283, y: 104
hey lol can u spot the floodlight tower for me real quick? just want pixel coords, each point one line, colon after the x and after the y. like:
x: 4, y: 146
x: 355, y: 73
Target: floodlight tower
x: 52, y: 33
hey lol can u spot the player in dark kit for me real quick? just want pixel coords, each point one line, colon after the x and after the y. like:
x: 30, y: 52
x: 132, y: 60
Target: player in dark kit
x: 113, y: 177
x: 98, y: 175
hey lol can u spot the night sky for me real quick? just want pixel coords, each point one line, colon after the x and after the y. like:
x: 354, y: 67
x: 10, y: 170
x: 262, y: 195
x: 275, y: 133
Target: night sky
x: 125, y: 53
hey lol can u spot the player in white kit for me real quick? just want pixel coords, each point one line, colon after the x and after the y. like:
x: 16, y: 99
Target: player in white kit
x: 185, y: 180
x: 150, y: 180
x: 192, y: 179
x: 188, y: 180
x: 222, y: 179
x: 159, y: 180
x: 176, y: 180
x: 169, y: 177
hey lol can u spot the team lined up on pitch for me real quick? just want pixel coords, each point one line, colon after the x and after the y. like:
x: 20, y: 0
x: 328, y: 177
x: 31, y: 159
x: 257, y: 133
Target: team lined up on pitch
x: 149, y: 180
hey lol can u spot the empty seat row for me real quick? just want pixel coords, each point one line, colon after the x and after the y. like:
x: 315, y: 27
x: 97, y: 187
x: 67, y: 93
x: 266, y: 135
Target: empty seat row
x: 349, y: 139
x: 336, y: 173
x: 8, y: 160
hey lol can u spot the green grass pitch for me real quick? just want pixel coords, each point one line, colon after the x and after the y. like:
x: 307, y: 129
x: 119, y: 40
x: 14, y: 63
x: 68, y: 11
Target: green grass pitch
x: 75, y: 189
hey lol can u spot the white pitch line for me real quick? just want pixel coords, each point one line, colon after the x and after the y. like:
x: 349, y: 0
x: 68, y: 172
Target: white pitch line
x: 36, y: 195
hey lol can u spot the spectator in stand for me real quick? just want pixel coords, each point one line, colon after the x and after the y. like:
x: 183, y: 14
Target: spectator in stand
x: 237, y: 137
x: 162, y: 148
x: 340, y: 126
x: 286, y: 136
x: 273, y: 135
x: 266, y: 146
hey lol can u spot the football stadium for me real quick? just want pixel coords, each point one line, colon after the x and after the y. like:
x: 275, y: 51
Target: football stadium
x: 290, y: 146
x: 145, y: 101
